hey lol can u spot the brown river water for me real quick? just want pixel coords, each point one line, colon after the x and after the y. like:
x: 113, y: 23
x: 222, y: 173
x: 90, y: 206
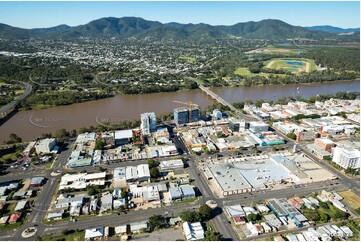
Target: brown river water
x: 30, y: 124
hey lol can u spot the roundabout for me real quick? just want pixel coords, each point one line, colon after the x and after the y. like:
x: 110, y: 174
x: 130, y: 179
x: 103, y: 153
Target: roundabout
x: 29, y: 232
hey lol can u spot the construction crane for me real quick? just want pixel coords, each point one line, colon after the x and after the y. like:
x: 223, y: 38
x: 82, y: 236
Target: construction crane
x: 190, y: 106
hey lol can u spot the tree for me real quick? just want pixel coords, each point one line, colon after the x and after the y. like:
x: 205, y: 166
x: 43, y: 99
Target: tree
x: 64, y: 232
x: 61, y: 133
x: 292, y: 136
x: 205, y: 211
x: 312, y: 215
x: 212, y: 236
x: 191, y: 216
x: 155, y: 222
x: 154, y: 173
x: 99, y: 144
x: 253, y: 217
x: 153, y: 163
x: 324, y: 216
x: 14, y: 138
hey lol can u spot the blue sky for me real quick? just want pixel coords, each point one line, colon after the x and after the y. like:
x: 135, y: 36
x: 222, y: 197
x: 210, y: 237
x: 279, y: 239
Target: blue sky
x: 47, y: 14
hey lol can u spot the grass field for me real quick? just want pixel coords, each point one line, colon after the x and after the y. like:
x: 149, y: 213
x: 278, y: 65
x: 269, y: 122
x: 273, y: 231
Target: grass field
x: 294, y: 65
x: 351, y: 199
x: 188, y: 58
x: 244, y: 71
x: 75, y: 236
x: 273, y: 50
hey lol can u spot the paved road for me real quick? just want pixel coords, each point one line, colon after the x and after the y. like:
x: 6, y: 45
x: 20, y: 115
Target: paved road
x: 6, y: 108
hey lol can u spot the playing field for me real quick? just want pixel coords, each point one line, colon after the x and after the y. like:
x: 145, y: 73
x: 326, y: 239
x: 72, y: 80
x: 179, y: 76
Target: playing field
x: 351, y: 199
x: 188, y: 59
x: 294, y: 65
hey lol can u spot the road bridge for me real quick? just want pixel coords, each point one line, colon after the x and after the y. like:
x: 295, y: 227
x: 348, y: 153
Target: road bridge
x: 225, y: 103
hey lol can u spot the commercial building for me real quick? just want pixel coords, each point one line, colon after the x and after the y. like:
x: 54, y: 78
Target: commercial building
x: 36, y: 182
x: 228, y: 179
x: 122, y: 137
x: 94, y: 234
x: 236, y: 125
x: 148, y: 123
x: 169, y: 165
x: 44, y: 146
x: 317, y: 151
x: 82, y: 180
x: 235, y: 211
x: 346, y: 157
x: 258, y: 126
x: 187, y: 191
x: 193, y: 231
x: 325, y: 144
x: 283, y: 208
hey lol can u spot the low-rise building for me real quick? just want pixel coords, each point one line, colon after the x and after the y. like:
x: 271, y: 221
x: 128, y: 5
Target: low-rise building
x: 94, y: 234
x: 193, y: 231
x: 82, y: 180
x: 55, y: 216
x: 45, y: 146
x: 36, y: 182
x: 21, y: 205
x: 106, y: 203
x: 169, y: 165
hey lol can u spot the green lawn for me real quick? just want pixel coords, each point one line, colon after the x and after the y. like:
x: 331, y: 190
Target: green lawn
x: 187, y: 200
x: 7, y: 227
x: 75, y: 236
x: 244, y: 71
x: 187, y: 58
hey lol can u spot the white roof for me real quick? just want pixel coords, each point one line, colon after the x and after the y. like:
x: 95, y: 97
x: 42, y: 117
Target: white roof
x: 83, y: 138
x: 193, y: 231
x: 131, y: 173
x: 21, y: 205
x: 100, y: 175
x: 235, y: 211
x: 123, y: 134
x: 93, y: 233
x: 143, y: 170
x: 120, y: 229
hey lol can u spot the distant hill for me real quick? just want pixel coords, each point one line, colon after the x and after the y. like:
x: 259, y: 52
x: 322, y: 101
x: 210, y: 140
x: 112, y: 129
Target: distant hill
x: 139, y: 28
x: 332, y: 29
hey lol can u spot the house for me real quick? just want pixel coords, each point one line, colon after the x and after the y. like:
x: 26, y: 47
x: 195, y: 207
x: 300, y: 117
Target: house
x: 25, y: 194
x: 348, y: 232
x: 95, y: 233
x: 118, y: 202
x: 3, y: 191
x: 266, y: 228
x: 15, y: 217
x: 259, y: 228
x: 262, y: 208
x: 187, y: 191
x: 75, y: 210
x: 138, y: 227
x: 291, y: 237
x: 193, y: 231
x: 252, y: 229
x: 239, y: 220
x: 36, y: 182
x: 4, y: 219
x: 21, y: 205
x: 93, y: 207
x: 13, y: 186
x: 122, y: 229
x: 300, y: 237
x: 106, y: 203
x: 272, y: 220
x: 174, y: 221
x: 278, y: 238
x: 55, y: 216
x: 235, y: 211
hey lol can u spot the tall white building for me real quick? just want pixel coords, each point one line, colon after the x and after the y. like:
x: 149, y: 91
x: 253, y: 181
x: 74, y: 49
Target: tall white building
x: 148, y: 123
x: 346, y: 157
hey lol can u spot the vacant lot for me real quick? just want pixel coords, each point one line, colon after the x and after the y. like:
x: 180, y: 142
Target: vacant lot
x: 171, y: 234
x: 351, y: 199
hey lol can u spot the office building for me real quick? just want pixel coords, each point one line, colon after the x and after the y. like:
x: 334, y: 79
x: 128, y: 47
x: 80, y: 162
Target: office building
x: 346, y: 157
x: 181, y: 116
x: 148, y: 123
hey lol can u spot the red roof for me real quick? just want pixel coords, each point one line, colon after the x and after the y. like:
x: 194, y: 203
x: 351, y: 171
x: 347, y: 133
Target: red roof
x: 14, y: 217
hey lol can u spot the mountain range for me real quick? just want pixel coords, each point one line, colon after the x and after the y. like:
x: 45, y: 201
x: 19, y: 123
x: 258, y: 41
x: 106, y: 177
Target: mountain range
x: 332, y: 29
x: 139, y: 28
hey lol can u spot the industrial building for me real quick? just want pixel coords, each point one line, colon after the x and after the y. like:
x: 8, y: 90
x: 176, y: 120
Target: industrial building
x: 148, y: 123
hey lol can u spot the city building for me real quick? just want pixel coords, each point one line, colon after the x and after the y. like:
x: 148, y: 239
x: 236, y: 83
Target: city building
x: 258, y: 126
x: 122, y: 137
x: 44, y: 146
x: 346, y: 157
x: 148, y: 123
x: 181, y: 116
x: 236, y: 125
x: 217, y: 114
